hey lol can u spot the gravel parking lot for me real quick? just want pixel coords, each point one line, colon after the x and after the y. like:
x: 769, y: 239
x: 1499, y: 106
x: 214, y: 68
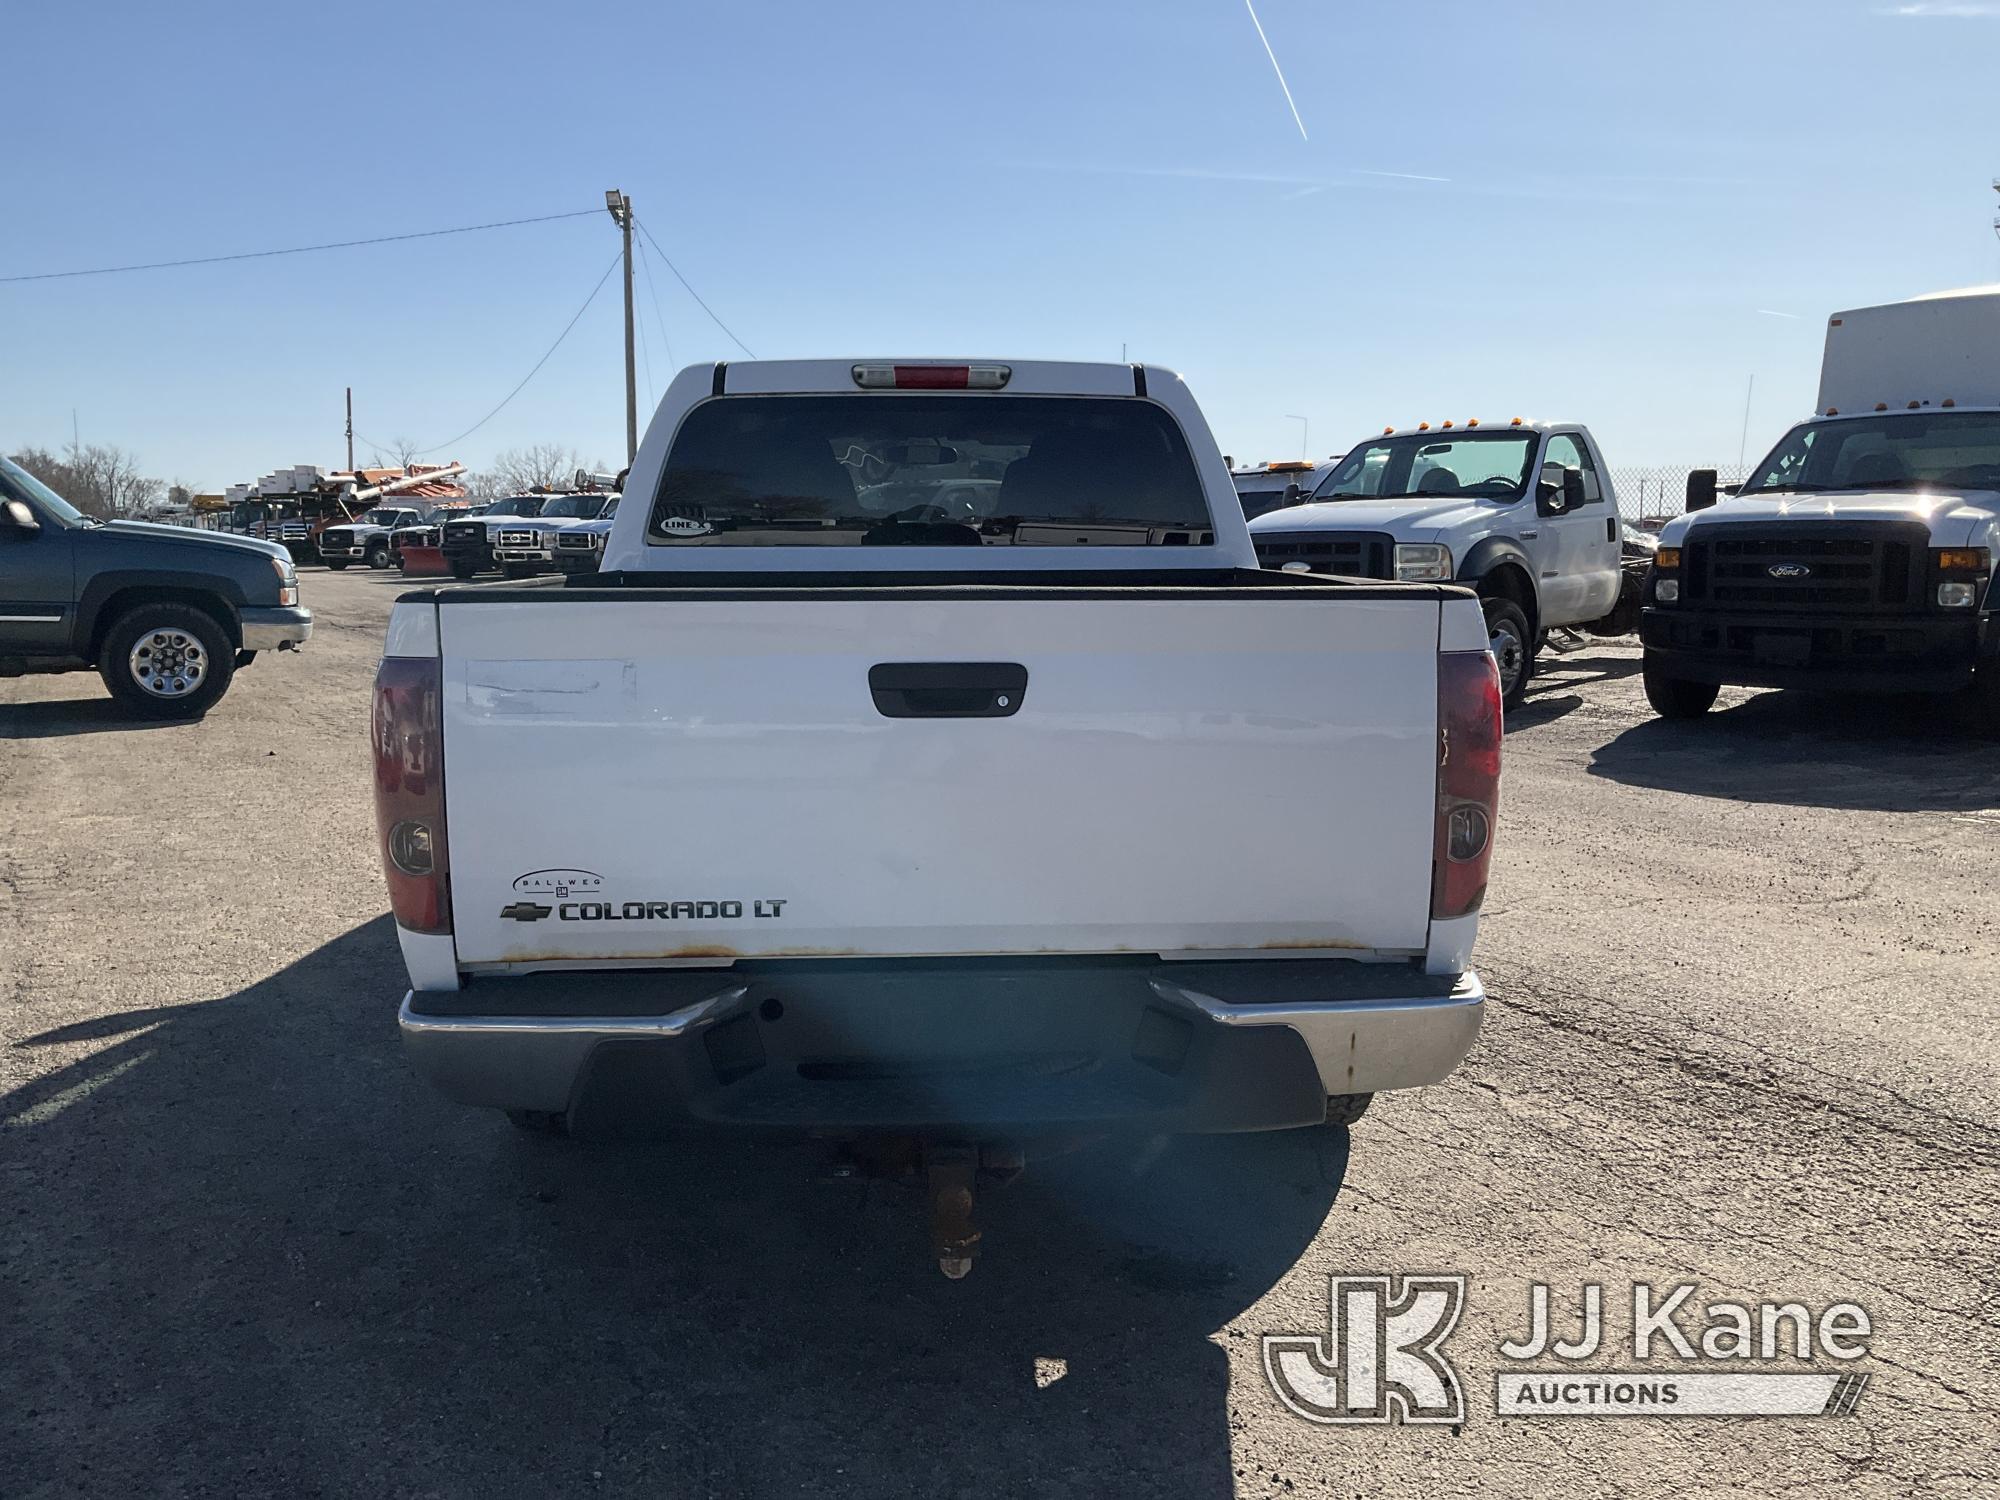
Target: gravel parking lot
x: 1742, y: 1033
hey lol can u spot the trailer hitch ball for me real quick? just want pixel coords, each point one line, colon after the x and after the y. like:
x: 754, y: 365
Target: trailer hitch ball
x: 949, y: 1171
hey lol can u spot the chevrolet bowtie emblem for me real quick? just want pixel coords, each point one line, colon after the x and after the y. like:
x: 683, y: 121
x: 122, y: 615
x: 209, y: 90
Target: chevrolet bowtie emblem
x: 526, y: 911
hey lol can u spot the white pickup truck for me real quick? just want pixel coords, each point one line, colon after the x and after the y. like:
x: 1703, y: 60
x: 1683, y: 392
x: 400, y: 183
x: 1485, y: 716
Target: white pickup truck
x: 1032, y: 810
x: 1521, y: 512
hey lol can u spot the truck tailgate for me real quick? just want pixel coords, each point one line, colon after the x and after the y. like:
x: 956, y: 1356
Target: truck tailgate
x: 698, y: 777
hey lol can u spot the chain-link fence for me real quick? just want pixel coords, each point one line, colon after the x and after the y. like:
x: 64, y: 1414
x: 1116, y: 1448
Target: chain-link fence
x: 1659, y: 493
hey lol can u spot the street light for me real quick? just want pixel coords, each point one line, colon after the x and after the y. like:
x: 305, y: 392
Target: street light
x: 619, y: 205
x: 1305, y: 433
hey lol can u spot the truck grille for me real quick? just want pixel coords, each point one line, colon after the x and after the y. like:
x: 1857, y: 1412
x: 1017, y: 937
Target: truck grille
x: 520, y: 539
x: 1817, y: 565
x: 577, y: 541
x: 336, y: 539
x: 465, y: 532
x: 294, y: 531
x: 1351, y: 554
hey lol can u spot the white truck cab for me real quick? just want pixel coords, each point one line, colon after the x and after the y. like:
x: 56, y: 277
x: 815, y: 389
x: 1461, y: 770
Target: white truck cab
x: 1860, y: 554
x: 526, y: 546
x: 367, y: 538
x: 1273, y: 486
x: 1521, y: 512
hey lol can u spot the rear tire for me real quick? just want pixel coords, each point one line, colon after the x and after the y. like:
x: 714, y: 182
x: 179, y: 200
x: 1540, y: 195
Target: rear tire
x: 167, y: 661
x: 1345, y: 1109
x: 1513, y: 646
x: 1676, y: 697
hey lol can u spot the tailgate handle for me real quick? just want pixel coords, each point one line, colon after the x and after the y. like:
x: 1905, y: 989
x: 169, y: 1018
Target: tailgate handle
x: 947, y: 689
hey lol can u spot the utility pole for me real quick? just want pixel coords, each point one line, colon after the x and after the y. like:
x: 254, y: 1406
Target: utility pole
x: 621, y: 213
x: 350, y: 429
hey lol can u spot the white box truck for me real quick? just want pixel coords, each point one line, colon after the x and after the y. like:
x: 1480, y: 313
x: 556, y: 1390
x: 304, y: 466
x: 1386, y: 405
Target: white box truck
x: 1860, y: 554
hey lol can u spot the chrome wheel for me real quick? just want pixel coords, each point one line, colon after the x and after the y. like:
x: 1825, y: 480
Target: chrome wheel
x: 1510, y: 654
x: 169, y: 663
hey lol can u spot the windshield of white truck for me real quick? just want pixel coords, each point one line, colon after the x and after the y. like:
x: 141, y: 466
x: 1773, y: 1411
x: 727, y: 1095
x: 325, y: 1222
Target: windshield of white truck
x: 927, y: 470
x: 1485, y: 465
x: 1903, y: 450
x: 574, y: 507
x: 1261, y: 502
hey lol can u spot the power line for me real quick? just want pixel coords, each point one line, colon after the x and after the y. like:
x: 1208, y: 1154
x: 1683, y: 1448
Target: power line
x: 384, y: 239
x: 690, y: 290
x: 646, y: 358
x: 454, y: 442
x: 653, y: 292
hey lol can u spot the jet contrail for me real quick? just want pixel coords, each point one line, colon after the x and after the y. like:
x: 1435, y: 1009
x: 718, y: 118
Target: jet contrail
x: 1278, y: 70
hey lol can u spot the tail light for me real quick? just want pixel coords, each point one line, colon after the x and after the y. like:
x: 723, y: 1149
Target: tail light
x: 932, y: 377
x: 409, y: 791
x: 1468, y: 780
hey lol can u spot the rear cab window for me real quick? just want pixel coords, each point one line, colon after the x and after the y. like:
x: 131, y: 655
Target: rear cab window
x: 922, y: 469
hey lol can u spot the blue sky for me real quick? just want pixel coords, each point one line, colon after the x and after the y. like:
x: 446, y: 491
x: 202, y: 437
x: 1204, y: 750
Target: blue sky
x: 1585, y: 211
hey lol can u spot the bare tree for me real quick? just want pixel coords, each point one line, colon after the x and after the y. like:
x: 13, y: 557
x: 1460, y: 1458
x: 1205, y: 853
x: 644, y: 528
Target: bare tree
x: 547, y: 466
x: 398, y: 452
x: 100, y: 480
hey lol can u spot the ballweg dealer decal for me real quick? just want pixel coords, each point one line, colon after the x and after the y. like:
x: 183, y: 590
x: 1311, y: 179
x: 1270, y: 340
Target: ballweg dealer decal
x: 558, y: 883
x: 561, y: 883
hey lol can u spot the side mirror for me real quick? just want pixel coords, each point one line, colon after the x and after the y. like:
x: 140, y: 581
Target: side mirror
x: 15, y: 516
x: 1559, y: 491
x: 1700, y: 489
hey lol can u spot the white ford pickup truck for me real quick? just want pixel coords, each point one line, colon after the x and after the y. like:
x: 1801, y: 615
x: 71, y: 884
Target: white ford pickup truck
x: 1523, y: 514
x: 949, y: 772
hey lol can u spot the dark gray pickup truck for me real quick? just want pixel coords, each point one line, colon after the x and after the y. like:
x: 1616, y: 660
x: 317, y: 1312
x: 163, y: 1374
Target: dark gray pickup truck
x: 164, y: 613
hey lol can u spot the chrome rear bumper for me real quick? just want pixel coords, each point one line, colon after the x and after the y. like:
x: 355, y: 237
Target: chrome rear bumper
x: 1165, y: 1045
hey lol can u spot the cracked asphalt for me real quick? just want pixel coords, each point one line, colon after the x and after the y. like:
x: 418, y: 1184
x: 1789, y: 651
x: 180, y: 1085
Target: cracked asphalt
x: 1742, y: 1033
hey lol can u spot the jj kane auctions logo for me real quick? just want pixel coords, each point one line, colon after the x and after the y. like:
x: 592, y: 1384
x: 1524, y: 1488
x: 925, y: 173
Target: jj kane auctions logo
x: 1381, y: 1357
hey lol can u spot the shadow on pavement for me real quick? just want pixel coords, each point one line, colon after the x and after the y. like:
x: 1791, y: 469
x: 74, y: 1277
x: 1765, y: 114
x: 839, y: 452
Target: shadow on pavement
x: 1814, y: 750
x: 253, y: 1253
x: 1552, y: 691
x: 93, y: 715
